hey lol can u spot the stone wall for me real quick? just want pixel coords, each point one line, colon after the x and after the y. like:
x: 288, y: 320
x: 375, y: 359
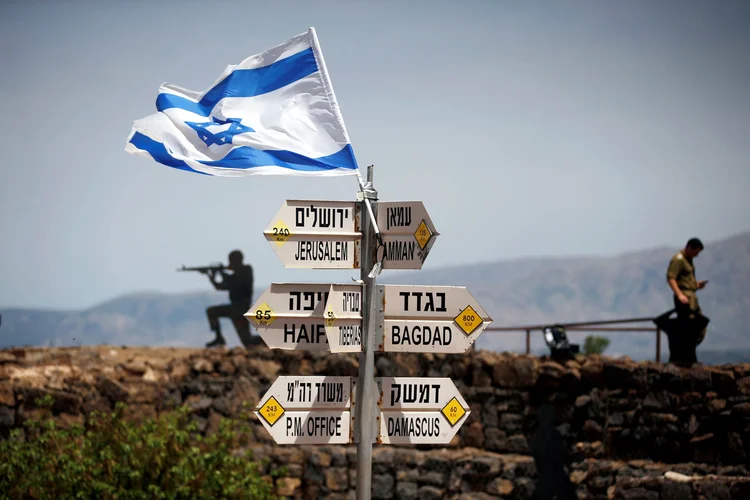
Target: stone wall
x: 408, y: 474
x: 608, y: 409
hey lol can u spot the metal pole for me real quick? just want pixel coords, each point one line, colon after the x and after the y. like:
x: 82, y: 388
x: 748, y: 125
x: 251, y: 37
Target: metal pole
x: 658, y: 345
x: 365, y: 408
x: 528, y: 341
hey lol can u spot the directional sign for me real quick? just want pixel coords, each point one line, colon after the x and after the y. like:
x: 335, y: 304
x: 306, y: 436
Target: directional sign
x: 408, y: 234
x: 445, y: 319
x: 420, y: 410
x: 292, y: 316
x: 316, y: 234
x: 343, y: 318
x: 307, y: 410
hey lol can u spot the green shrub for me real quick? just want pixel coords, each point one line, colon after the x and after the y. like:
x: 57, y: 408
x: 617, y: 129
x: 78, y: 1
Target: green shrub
x: 593, y: 344
x: 111, y: 457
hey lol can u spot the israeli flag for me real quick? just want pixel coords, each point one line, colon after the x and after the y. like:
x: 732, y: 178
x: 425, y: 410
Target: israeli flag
x: 273, y: 114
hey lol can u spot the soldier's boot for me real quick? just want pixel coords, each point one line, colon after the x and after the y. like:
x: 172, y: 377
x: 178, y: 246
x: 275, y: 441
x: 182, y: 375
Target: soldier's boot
x: 213, y: 322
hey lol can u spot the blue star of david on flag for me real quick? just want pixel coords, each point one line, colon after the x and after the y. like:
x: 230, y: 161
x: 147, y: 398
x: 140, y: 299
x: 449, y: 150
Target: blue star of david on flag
x: 223, y: 137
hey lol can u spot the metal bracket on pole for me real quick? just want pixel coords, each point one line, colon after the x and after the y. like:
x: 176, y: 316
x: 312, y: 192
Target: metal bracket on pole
x: 364, y: 411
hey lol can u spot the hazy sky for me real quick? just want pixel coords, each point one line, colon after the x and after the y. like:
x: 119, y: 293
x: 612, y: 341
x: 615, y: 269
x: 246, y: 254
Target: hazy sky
x: 526, y: 128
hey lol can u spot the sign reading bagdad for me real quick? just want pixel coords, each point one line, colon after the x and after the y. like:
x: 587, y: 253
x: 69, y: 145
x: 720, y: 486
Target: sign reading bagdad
x: 429, y: 318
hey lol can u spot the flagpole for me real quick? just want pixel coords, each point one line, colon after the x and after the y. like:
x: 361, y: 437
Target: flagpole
x: 364, y: 411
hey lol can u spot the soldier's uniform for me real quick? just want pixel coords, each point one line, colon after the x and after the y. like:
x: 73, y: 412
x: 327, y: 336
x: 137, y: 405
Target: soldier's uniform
x: 682, y: 270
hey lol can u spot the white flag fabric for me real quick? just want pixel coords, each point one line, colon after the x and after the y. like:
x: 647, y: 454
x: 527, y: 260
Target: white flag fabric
x: 275, y: 113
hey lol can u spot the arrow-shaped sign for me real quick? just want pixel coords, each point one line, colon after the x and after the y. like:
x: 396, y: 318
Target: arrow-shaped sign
x: 293, y: 316
x: 408, y: 234
x: 307, y: 410
x: 420, y: 410
x: 445, y: 319
x: 316, y: 234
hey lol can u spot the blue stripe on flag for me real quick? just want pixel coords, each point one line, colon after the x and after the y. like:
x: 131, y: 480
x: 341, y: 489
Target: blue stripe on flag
x: 245, y: 157
x: 159, y: 153
x: 246, y: 83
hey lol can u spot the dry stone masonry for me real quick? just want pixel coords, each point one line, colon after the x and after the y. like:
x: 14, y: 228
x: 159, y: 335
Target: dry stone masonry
x: 625, y: 424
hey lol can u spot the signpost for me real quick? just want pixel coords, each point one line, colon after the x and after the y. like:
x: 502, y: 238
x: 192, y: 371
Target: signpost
x: 366, y: 318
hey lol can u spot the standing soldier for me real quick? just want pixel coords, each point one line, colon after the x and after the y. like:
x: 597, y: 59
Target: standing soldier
x: 240, y: 287
x: 681, y: 279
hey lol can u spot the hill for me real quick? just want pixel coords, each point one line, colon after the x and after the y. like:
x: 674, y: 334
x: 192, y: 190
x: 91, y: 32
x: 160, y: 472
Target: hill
x: 516, y: 292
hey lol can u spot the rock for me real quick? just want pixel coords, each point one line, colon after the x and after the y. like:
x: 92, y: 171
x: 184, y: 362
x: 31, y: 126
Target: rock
x: 500, y: 487
x: 202, y: 365
x: 226, y: 367
x: 723, y: 381
x: 112, y: 389
x: 712, y: 490
x: 734, y: 451
x: 7, y: 417
x: 382, y: 486
x: 243, y: 393
x: 717, y: 405
x: 592, y: 371
x: 433, y: 478
x: 664, y: 418
x: 430, y: 493
x: 136, y: 367
x: 676, y: 490
x: 518, y: 444
x: 6, y: 357
x: 742, y: 409
x: 150, y: 376
x: 336, y: 478
x: 288, y: 486
x: 406, y: 491
x: 515, y: 373
x: 743, y: 386
x: 592, y: 431
x: 578, y: 476
x: 7, y: 397
x: 474, y: 435
x: 639, y: 494
x: 582, y: 401
x: 495, y: 439
x: 198, y: 404
x: 179, y: 371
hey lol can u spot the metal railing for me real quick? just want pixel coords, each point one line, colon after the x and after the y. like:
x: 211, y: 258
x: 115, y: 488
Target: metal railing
x: 589, y: 326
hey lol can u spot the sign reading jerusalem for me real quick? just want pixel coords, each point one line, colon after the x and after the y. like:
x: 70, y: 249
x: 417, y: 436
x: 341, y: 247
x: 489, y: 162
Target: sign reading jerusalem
x: 316, y: 234
x: 445, y: 319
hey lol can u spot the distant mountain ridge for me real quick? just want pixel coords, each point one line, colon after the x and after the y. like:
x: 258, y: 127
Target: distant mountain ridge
x: 514, y: 292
